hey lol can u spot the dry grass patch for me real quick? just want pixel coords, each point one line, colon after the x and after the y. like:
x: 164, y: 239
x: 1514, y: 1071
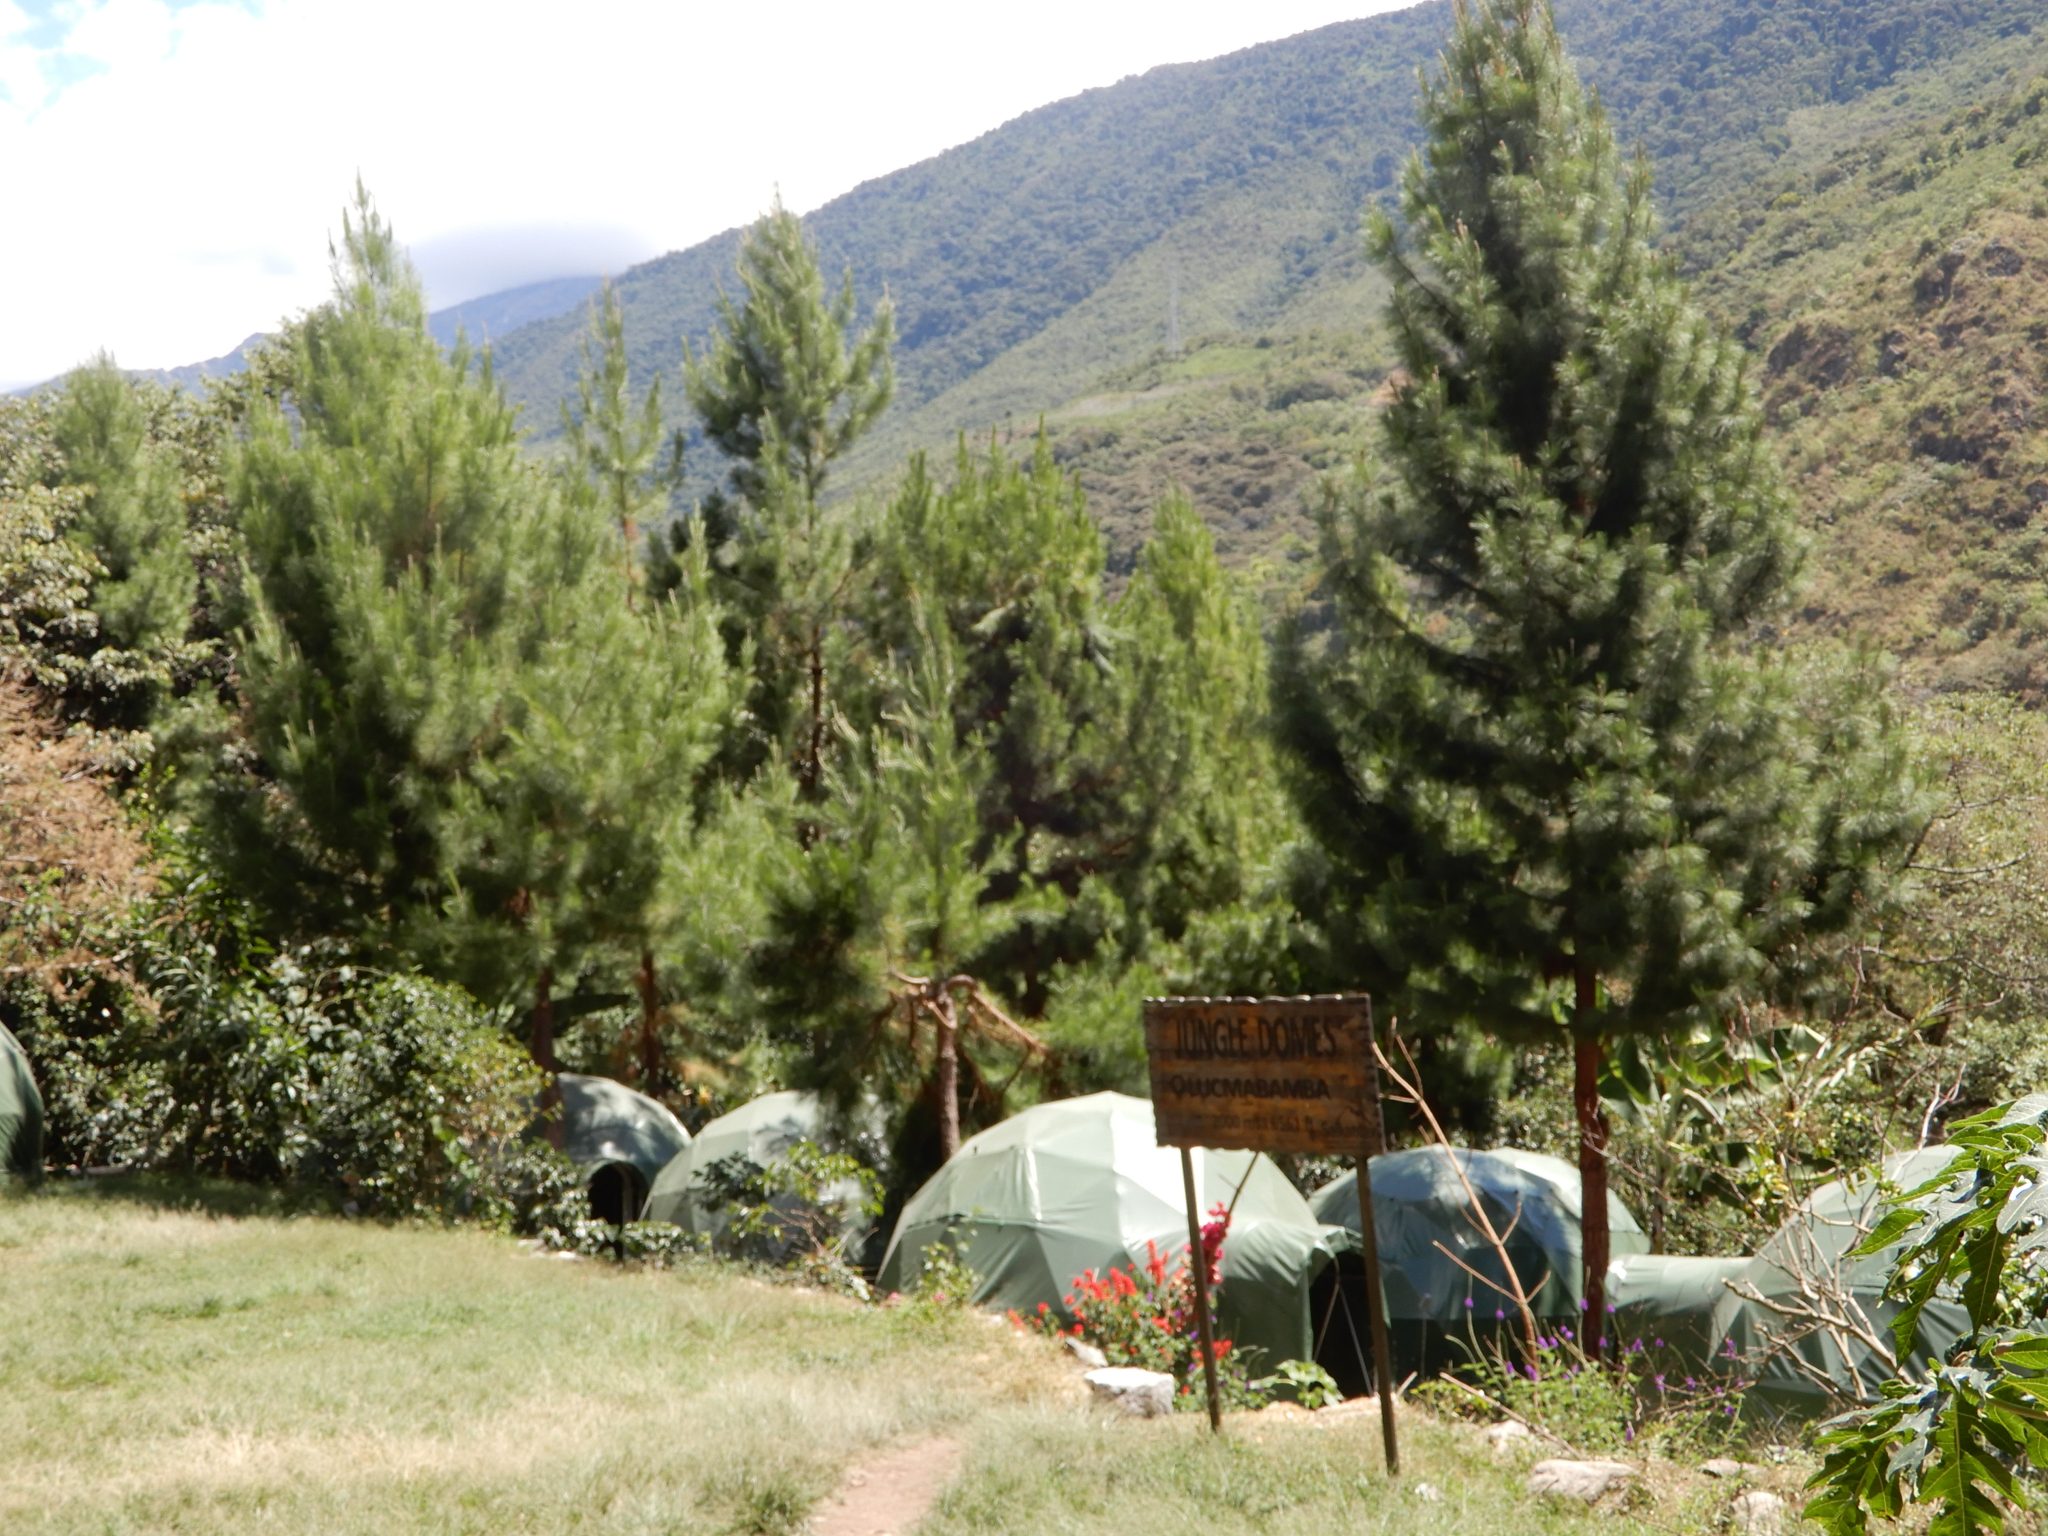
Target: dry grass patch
x: 180, y: 1372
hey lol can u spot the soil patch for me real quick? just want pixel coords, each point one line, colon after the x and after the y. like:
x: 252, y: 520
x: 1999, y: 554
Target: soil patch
x: 890, y: 1494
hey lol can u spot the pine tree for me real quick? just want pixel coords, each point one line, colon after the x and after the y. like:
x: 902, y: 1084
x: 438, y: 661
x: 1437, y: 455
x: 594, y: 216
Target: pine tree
x: 784, y: 390
x: 475, y: 755
x: 1005, y: 556
x: 785, y: 384
x: 647, y: 725
x: 135, y: 514
x: 386, y: 513
x: 1560, y: 781
x: 122, y: 675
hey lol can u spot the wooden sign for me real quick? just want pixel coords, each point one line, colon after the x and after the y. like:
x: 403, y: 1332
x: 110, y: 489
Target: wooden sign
x: 1275, y: 1074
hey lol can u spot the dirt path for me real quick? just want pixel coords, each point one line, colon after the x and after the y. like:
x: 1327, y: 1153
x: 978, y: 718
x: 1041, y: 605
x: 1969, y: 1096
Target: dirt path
x: 889, y: 1495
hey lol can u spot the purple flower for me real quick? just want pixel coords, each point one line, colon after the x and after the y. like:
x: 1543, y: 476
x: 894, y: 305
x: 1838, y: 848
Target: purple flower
x: 1468, y: 1303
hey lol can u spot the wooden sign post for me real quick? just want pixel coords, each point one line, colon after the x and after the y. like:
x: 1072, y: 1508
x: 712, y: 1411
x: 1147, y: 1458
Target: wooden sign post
x: 1289, y: 1074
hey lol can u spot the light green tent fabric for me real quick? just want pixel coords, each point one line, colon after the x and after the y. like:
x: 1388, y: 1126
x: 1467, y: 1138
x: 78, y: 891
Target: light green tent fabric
x: 1809, y: 1256
x: 606, y: 1125
x: 1419, y: 1201
x: 21, y: 1112
x: 1081, y: 1184
x: 760, y: 1131
x: 1666, y: 1303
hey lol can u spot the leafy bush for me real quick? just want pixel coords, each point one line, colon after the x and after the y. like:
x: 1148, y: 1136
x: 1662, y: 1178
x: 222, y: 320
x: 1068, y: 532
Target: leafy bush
x: 944, y: 1277
x: 201, y: 1049
x: 1306, y: 1383
x: 1963, y: 1437
x: 801, y: 1210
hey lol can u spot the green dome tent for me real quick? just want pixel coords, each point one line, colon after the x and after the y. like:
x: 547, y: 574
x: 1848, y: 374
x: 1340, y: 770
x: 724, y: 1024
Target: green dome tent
x: 760, y: 1132
x: 1081, y: 1184
x: 1667, y: 1303
x: 1435, y: 1309
x: 621, y: 1140
x: 21, y: 1112
x: 1808, y: 1259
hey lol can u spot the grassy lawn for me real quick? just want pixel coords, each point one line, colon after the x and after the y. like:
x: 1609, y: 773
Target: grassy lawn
x: 170, y: 1370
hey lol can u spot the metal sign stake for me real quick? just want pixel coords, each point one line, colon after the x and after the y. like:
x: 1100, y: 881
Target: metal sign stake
x: 1375, y: 1303
x: 1198, y: 1268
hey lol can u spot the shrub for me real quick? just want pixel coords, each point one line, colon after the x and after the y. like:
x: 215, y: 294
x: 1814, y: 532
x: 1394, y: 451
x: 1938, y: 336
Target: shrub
x: 1149, y: 1321
x: 803, y: 1211
x: 203, y: 1050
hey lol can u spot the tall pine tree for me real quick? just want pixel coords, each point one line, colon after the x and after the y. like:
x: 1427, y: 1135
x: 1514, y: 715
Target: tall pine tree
x: 1561, y: 782
x: 784, y: 389
x: 475, y: 755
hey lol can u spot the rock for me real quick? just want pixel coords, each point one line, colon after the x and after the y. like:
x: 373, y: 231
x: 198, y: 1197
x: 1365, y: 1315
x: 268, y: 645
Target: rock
x: 1145, y: 1394
x: 1757, y: 1513
x: 1087, y: 1354
x: 1723, y: 1466
x: 2001, y: 260
x: 1429, y: 1493
x: 1585, y: 1481
x: 1507, y: 1437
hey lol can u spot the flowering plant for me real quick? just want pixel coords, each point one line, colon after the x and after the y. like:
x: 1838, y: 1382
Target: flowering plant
x: 1145, y: 1316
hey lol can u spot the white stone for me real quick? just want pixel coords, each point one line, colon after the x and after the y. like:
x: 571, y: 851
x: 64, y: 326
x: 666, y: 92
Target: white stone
x: 1508, y: 1437
x: 1758, y: 1512
x: 1147, y: 1394
x: 1723, y: 1466
x: 1585, y: 1481
x: 1087, y: 1354
x: 1429, y: 1493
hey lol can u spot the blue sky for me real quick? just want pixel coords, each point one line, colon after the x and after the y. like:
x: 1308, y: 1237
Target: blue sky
x: 172, y: 168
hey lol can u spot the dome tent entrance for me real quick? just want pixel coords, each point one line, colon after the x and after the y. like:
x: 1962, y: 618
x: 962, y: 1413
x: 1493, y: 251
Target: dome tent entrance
x: 1081, y: 1184
x: 21, y: 1112
x: 1436, y: 1310
x: 620, y: 1139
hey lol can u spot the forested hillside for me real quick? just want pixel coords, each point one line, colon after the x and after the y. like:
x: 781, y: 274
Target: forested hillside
x: 1046, y: 268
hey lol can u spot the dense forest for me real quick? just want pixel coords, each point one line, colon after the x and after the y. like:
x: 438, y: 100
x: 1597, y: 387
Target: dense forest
x: 370, y: 759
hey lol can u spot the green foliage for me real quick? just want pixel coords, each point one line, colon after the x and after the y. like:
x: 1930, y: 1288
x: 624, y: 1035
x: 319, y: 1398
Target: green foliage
x: 134, y: 515
x: 45, y: 576
x: 1555, y: 787
x: 209, y: 1052
x: 784, y: 393
x: 1306, y: 1383
x: 1961, y: 1439
x: 780, y: 390
x: 476, y: 753
x: 799, y: 1206
x: 944, y: 1277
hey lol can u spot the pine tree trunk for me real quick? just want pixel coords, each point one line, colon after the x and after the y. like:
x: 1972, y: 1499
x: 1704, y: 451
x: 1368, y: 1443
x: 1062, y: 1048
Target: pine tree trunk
x: 814, y: 757
x: 542, y: 1043
x: 1586, y: 1053
x: 948, y: 1077
x: 650, y: 1021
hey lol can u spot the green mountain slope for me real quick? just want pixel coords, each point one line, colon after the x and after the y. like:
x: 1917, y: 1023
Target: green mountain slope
x: 1042, y: 270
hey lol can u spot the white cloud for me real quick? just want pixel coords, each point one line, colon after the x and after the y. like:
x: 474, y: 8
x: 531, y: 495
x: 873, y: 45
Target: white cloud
x: 182, y: 197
